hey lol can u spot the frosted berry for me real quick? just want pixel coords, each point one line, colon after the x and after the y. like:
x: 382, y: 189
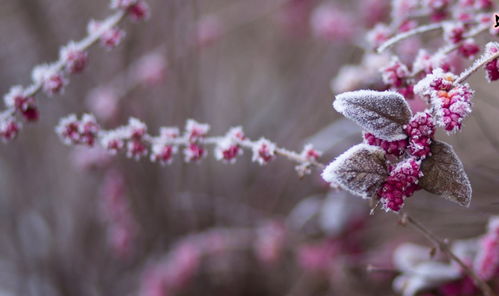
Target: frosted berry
x: 394, y: 148
x: 420, y: 131
x: 400, y: 184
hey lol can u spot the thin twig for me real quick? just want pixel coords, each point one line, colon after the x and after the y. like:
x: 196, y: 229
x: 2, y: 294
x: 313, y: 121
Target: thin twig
x: 444, y: 247
x: 402, y: 36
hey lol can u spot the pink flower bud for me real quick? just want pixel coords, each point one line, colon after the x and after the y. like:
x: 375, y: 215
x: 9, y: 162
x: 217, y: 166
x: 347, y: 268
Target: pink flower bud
x: 228, y: 149
x: 263, y: 151
x: 195, y: 130
x: 16, y: 99
x: 88, y: 129
x: 194, y: 152
x: 74, y: 58
x: 68, y: 129
x: 454, y: 32
x: 110, y: 38
x: 310, y: 153
x: 52, y: 81
x: 9, y: 128
x: 139, y: 11
x: 113, y: 141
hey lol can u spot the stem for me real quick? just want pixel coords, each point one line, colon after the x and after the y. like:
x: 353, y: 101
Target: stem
x: 402, y: 36
x: 477, y: 65
x: 444, y: 248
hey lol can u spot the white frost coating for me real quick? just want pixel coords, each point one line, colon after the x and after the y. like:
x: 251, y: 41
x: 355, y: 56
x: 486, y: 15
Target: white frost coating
x: 341, y: 163
x: 381, y: 113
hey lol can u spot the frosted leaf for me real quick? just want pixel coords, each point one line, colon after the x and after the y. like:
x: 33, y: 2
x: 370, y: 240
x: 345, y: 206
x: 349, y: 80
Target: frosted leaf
x: 360, y: 170
x: 444, y: 175
x: 382, y: 114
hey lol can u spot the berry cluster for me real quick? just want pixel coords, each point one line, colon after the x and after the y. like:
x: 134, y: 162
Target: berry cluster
x: 403, y: 178
x: 74, y: 131
x: 401, y: 183
x: 451, y: 101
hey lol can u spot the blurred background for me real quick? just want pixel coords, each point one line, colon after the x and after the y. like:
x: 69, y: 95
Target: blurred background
x: 76, y: 222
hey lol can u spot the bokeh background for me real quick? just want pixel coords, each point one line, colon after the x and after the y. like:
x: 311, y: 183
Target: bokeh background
x: 261, y: 65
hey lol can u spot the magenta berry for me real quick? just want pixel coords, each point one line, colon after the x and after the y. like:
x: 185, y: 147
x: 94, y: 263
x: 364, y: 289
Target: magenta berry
x: 394, y: 148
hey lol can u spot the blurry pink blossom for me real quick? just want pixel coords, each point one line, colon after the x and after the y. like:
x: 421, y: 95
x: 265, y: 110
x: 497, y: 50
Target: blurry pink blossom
x: 331, y: 23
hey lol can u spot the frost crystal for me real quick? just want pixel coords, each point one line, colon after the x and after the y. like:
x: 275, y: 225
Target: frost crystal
x: 382, y: 114
x: 360, y: 170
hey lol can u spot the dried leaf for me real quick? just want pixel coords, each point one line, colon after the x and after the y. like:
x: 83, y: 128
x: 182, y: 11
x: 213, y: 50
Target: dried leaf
x: 360, y: 170
x: 444, y: 175
x: 383, y: 114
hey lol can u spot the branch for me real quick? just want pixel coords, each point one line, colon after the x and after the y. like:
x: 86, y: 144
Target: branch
x: 402, y: 36
x: 135, y: 140
x: 52, y: 77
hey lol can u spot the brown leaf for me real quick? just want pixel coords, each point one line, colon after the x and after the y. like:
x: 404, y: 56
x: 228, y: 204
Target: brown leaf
x: 360, y: 170
x: 382, y: 113
x: 444, y: 175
